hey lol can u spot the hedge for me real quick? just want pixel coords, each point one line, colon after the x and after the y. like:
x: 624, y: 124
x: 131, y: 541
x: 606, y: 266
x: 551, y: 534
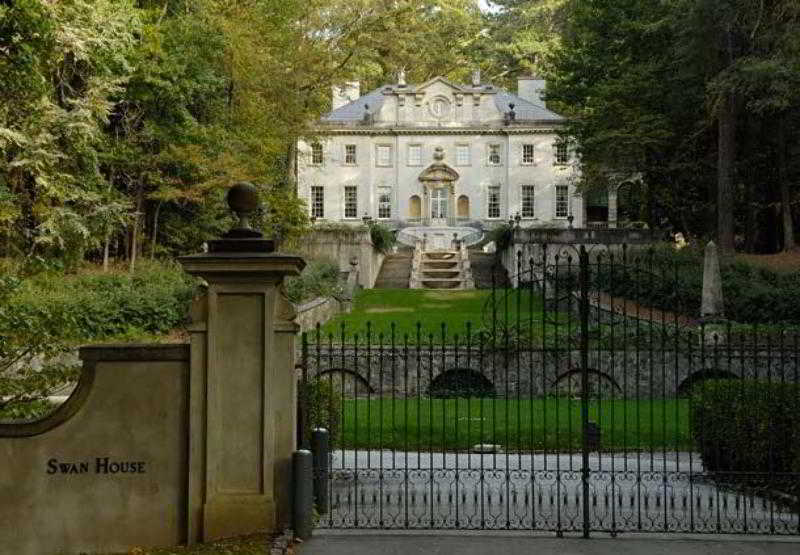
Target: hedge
x: 746, y: 425
x: 670, y: 280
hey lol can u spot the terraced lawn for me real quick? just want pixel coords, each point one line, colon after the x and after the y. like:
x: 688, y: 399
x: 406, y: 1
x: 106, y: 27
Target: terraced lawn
x: 429, y: 314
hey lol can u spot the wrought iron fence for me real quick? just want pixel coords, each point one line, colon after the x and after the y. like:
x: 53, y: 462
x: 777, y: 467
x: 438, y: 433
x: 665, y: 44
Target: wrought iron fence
x: 587, y: 399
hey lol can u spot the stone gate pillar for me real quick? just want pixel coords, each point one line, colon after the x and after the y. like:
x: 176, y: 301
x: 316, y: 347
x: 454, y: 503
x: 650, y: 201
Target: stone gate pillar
x: 242, y: 407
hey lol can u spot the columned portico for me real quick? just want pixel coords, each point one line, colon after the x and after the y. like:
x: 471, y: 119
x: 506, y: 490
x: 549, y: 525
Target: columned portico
x: 439, y: 192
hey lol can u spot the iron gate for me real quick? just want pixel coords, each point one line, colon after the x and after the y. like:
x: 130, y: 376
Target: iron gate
x: 582, y: 401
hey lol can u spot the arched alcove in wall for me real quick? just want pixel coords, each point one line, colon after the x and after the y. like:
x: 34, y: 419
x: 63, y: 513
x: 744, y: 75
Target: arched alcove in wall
x: 414, y: 207
x: 462, y: 207
x: 461, y: 382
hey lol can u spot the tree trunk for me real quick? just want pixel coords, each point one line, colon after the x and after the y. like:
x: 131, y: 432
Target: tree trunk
x: 106, y: 247
x: 726, y: 157
x: 783, y: 183
x: 155, y: 231
x: 137, y: 217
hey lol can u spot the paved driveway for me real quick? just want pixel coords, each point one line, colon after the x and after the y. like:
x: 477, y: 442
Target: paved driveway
x: 511, y: 543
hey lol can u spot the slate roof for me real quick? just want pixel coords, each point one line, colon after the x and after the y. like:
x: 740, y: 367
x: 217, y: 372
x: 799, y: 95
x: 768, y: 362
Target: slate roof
x: 353, y: 112
x: 524, y: 109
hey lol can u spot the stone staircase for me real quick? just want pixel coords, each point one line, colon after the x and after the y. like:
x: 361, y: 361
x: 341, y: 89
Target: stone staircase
x: 441, y: 269
x: 395, y: 271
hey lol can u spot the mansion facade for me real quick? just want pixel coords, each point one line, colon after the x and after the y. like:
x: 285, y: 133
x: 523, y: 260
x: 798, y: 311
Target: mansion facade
x: 440, y: 154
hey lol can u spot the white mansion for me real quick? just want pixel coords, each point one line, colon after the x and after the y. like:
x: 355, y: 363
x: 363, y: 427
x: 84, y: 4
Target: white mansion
x: 440, y: 154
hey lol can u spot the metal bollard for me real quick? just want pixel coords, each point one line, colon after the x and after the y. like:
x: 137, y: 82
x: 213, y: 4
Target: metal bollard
x: 303, y: 518
x: 320, y: 447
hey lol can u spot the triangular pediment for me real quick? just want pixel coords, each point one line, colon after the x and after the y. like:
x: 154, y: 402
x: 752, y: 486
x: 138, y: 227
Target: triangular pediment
x: 438, y: 172
x: 435, y: 80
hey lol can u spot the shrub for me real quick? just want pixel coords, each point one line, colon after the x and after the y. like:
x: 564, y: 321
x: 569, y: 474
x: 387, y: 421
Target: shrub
x: 320, y: 278
x: 382, y: 237
x: 323, y: 407
x: 42, y: 318
x: 666, y: 279
x: 746, y: 425
x: 502, y: 235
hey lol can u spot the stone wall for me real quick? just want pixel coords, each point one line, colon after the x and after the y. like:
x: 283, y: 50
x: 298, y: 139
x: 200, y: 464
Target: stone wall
x: 319, y: 310
x: 344, y: 247
x: 535, y: 372
x: 562, y: 246
x: 110, y: 468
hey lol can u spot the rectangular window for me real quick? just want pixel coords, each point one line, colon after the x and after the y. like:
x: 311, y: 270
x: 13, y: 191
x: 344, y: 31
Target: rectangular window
x: 316, y: 154
x: 385, y: 204
x: 384, y: 157
x: 527, y: 201
x: 317, y: 202
x: 462, y: 155
x: 414, y: 155
x: 351, y: 202
x: 562, y: 152
x: 494, y: 202
x: 350, y: 154
x: 562, y: 201
x: 527, y: 154
x: 494, y: 155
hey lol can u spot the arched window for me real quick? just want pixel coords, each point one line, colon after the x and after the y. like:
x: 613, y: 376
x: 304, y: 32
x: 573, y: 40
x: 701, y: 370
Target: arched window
x: 415, y: 207
x: 463, y: 206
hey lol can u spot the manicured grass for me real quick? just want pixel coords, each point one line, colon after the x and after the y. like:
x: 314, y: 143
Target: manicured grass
x: 458, y: 424
x: 431, y: 309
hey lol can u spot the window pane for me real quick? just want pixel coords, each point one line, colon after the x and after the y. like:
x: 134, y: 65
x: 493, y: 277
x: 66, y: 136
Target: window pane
x: 562, y: 152
x: 527, y: 154
x: 494, y: 155
x: 349, y: 154
x: 350, y: 202
x: 384, y: 155
x: 414, y: 155
x: 385, y: 205
x: 527, y: 201
x: 316, y: 153
x: 317, y: 202
x: 494, y: 202
x: 562, y: 201
x: 462, y: 155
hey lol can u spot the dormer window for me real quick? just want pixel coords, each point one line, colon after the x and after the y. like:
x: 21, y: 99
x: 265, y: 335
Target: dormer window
x: 316, y: 154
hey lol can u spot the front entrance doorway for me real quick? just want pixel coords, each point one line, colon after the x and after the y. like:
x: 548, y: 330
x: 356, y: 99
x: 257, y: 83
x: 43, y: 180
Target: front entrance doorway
x: 439, y: 202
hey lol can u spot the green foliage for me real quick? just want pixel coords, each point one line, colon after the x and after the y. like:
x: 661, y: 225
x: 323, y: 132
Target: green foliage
x: 382, y: 237
x: 320, y: 278
x: 502, y: 235
x: 746, y: 425
x: 644, y: 83
x: 323, y: 406
x: 42, y: 318
x: 673, y: 280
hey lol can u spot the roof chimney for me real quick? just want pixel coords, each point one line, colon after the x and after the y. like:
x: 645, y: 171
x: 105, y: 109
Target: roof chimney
x: 345, y: 94
x: 530, y: 88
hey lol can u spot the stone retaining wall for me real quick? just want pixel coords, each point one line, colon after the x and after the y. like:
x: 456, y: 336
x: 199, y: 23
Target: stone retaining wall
x: 537, y: 372
x: 320, y: 310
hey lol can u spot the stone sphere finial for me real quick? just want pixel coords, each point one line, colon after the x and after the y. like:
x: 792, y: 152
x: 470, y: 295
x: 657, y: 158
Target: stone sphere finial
x: 243, y: 200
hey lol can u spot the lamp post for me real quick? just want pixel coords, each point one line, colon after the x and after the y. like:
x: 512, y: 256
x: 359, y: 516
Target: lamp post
x: 518, y: 219
x: 367, y: 219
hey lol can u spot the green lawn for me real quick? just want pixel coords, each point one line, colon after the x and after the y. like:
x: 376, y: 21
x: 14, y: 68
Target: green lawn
x: 450, y: 424
x: 431, y: 309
